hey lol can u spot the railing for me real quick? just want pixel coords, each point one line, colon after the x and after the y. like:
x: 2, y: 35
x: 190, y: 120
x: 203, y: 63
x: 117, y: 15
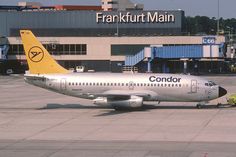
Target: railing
x: 129, y: 69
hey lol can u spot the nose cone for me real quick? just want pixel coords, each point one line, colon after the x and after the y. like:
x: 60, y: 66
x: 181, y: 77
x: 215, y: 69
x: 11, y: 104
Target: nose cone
x: 222, y: 91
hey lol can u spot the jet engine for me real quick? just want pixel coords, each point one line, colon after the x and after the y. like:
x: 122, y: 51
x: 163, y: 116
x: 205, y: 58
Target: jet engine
x: 130, y: 102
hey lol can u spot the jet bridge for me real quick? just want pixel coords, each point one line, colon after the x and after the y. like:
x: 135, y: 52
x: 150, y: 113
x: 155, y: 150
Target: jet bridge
x: 180, y: 52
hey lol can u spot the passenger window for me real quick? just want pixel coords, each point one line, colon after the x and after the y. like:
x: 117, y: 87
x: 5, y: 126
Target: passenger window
x: 127, y: 84
x: 97, y: 84
x: 118, y: 84
x: 108, y: 84
x: 69, y: 83
x: 90, y: 84
x: 100, y: 84
x: 179, y: 85
x: 168, y: 85
x: 123, y: 84
x: 111, y: 84
x: 86, y: 84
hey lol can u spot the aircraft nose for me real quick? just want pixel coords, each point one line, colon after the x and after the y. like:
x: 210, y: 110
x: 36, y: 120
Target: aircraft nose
x: 222, y: 91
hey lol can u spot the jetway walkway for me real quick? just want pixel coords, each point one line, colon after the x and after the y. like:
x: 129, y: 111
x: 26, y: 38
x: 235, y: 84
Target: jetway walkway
x: 182, y: 52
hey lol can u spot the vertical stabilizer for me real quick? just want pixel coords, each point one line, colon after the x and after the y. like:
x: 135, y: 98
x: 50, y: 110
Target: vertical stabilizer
x: 38, y: 58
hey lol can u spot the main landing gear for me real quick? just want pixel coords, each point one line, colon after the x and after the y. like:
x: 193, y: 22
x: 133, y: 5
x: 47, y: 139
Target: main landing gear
x: 200, y: 105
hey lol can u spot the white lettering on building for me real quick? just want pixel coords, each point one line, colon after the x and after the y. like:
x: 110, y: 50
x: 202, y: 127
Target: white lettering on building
x: 128, y: 17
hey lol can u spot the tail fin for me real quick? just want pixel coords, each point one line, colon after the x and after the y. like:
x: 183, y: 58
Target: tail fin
x: 38, y: 58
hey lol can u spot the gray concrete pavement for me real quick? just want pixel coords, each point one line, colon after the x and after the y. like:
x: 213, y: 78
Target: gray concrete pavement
x: 37, y: 148
x: 36, y: 122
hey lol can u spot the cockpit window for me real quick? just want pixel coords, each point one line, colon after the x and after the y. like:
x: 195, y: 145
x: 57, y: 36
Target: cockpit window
x: 213, y: 83
x: 210, y: 83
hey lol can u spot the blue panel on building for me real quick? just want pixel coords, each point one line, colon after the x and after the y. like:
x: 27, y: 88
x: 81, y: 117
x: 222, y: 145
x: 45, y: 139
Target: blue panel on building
x: 187, y: 51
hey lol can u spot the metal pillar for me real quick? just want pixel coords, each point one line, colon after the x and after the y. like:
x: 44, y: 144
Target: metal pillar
x: 185, y: 66
x: 149, y: 70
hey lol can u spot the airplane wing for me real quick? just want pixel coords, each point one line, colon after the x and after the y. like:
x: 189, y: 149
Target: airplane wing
x: 123, y: 94
x: 124, y: 98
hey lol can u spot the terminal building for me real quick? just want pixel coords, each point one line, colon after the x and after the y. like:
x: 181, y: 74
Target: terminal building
x: 109, y: 37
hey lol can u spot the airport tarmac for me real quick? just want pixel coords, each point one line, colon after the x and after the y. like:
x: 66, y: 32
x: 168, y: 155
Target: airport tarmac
x: 38, y: 123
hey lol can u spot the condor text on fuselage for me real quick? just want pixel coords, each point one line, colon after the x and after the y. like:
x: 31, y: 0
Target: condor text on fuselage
x: 164, y: 79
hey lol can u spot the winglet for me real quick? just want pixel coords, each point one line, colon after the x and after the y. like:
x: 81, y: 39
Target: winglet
x: 38, y: 58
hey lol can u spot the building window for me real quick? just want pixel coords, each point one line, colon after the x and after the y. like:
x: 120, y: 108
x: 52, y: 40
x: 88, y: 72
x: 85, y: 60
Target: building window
x: 66, y: 49
x: 72, y: 49
x: 81, y: 49
x: 15, y: 49
x: 53, y: 49
x: 112, y: 2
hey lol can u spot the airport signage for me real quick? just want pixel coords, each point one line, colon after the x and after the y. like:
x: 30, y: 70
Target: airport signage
x: 209, y: 40
x: 128, y: 17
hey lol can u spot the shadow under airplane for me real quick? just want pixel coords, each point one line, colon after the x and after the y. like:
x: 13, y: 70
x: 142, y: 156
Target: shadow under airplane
x: 111, y: 111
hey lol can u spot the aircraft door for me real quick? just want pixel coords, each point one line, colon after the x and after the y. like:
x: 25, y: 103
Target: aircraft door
x: 131, y: 85
x: 63, y: 84
x: 194, y: 86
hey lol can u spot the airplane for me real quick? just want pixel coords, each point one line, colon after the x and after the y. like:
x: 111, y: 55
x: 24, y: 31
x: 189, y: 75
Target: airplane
x: 116, y: 90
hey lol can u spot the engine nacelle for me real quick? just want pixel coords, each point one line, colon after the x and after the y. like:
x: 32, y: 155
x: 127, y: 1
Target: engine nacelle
x: 133, y: 102
x: 100, y: 101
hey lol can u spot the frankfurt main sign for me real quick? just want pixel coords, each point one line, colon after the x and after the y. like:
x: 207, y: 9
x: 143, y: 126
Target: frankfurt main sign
x: 128, y: 17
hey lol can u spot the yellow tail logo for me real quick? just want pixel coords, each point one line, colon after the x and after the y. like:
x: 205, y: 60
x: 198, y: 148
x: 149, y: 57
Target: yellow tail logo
x: 38, y: 58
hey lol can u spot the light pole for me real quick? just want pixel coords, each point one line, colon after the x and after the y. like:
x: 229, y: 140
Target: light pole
x: 118, y: 20
x: 230, y: 33
x: 231, y: 41
x: 218, y: 17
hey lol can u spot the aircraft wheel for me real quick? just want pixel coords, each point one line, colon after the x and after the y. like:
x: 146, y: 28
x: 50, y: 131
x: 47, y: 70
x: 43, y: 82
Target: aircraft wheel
x: 218, y: 105
x: 199, y: 106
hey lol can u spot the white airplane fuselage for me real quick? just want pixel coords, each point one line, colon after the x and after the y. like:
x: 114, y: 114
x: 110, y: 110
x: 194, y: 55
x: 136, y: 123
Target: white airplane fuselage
x: 143, y: 87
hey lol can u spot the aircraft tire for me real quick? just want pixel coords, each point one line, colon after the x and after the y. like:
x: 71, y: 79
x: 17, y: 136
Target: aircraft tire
x: 199, y: 106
